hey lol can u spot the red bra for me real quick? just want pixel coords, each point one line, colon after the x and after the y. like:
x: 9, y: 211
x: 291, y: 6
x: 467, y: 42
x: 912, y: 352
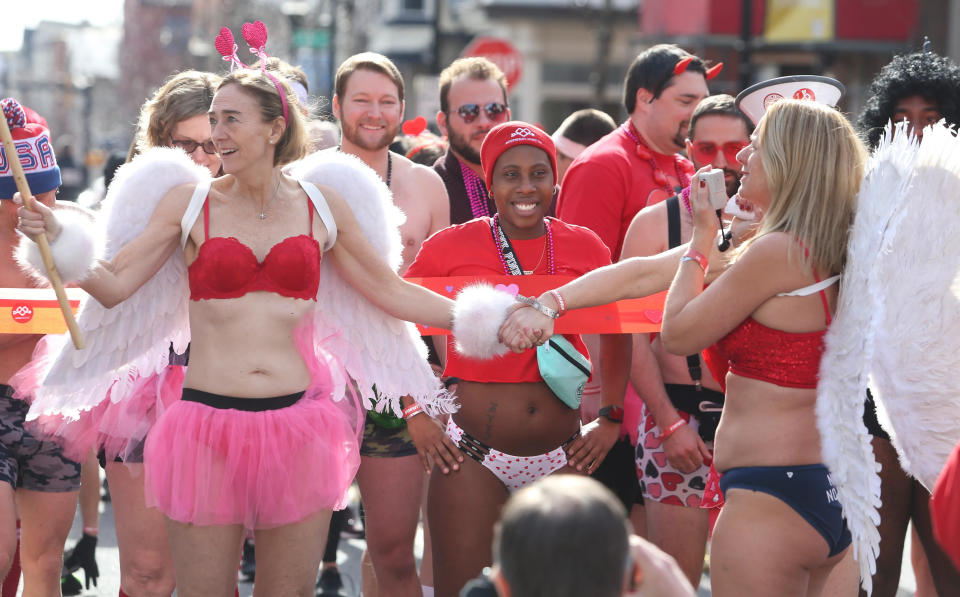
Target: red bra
x: 787, y: 359
x: 227, y: 268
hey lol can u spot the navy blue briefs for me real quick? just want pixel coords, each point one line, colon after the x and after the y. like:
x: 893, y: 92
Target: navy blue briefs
x: 807, y: 489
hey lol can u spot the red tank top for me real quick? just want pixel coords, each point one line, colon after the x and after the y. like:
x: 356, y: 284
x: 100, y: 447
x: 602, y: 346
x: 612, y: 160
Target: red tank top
x: 227, y: 268
x: 787, y: 359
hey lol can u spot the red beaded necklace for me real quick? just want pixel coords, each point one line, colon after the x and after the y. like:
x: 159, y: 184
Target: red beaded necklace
x: 659, y: 176
x: 503, y: 240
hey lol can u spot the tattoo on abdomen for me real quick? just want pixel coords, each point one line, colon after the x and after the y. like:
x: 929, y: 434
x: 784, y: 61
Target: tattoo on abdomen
x: 490, y: 415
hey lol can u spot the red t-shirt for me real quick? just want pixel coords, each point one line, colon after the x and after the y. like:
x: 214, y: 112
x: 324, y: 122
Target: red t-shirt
x: 469, y: 250
x: 609, y: 183
x: 945, y: 507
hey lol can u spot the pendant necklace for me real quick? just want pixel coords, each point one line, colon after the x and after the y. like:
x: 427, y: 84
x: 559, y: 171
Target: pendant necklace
x: 265, y: 206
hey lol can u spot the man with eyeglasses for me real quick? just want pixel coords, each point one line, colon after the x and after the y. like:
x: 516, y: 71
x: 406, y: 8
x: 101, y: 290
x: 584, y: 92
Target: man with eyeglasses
x: 473, y: 100
x: 674, y: 470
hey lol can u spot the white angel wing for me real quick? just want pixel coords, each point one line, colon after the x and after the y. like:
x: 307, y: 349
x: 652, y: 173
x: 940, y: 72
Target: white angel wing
x: 842, y: 386
x: 917, y: 353
x: 375, y: 348
x: 132, y: 339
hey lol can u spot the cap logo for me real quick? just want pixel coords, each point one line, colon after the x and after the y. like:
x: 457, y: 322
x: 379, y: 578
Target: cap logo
x: 34, y: 154
x: 522, y: 132
x: 771, y: 99
x: 805, y: 93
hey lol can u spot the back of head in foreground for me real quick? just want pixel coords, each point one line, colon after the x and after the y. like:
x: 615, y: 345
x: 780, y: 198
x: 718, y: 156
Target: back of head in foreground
x: 813, y: 162
x: 563, y: 536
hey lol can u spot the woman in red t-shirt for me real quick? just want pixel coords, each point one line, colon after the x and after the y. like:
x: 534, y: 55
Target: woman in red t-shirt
x: 510, y: 425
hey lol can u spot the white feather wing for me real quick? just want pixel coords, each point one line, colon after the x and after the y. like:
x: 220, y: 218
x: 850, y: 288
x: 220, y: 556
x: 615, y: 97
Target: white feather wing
x: 375, y: 348
x: 133, y: 338
x: 850, y: 341
x: 917, y: 353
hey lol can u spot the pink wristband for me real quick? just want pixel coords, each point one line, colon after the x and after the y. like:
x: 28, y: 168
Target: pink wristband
x: 692, y: 255
x: 672, y: 429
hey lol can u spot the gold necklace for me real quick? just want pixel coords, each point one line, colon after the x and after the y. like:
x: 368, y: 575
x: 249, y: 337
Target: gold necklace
x: 539, y: 261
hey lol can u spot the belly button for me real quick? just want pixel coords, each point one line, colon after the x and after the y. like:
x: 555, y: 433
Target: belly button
x: 531, y: 410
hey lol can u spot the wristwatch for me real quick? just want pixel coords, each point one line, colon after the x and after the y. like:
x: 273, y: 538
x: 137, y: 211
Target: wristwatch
x: 613, y: 413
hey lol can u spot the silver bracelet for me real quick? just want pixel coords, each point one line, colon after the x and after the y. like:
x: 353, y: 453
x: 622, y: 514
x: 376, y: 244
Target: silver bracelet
x: 532, y: 302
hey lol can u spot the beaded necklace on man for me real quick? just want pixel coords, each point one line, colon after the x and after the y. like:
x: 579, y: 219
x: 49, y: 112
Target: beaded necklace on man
x: 476, y: 191
x: 508, y: 257
x: 659, y: 176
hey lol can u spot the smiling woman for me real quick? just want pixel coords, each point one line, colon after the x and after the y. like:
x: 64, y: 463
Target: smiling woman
x: 511, y: 424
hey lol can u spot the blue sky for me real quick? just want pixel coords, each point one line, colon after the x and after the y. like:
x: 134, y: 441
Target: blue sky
x: 30, y: 12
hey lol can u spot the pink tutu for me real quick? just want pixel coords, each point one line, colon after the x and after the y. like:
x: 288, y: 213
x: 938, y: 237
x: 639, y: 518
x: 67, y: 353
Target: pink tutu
x: 118, y: 426
x: 212, y: 464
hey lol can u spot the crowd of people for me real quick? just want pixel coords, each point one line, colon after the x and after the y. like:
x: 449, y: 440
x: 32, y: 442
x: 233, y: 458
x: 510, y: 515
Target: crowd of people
x: 261, y: 380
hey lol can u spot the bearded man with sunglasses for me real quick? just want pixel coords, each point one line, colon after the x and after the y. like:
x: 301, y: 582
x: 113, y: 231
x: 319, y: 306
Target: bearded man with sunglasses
x: 473, y: 100
x: 674, y: 470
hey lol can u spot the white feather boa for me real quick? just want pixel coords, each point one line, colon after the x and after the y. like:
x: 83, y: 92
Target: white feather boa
x: 897, y: 328
x: 374, y: 347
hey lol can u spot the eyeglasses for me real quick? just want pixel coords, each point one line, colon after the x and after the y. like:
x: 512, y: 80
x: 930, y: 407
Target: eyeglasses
x: 496, y: 112
x: 189, y: 145
x: 705, y: 152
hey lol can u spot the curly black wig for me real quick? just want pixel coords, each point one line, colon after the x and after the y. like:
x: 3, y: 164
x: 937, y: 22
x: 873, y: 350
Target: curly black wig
x: 928, y: 75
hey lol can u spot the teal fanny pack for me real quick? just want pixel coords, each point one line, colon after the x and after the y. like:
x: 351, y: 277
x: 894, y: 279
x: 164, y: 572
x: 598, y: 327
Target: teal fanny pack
x: 564, y: 369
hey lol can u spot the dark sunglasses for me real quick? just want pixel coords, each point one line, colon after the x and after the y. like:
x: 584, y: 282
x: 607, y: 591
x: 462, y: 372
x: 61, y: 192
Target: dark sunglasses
x: 189, y: 145
x: 496, y: 112
x: 705, y: 152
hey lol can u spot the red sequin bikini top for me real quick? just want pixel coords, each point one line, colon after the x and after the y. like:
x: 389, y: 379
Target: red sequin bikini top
x: 788, y: 359
x: 227, y: 268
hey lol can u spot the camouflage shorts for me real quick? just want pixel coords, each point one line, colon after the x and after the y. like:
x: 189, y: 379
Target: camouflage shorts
x: 26, y: 461
x: 381, y: 442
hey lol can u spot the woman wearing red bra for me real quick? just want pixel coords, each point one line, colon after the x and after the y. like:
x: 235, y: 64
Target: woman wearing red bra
x: 255, y: 440
x: 781, y: 530
x: 511, y: 427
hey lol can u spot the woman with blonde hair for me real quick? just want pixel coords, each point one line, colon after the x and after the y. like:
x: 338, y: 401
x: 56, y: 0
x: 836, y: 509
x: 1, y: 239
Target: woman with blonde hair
x: 781, y: 530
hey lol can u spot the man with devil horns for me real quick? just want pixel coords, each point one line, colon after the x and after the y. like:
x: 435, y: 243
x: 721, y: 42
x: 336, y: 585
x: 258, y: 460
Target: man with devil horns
x: 636, y: 165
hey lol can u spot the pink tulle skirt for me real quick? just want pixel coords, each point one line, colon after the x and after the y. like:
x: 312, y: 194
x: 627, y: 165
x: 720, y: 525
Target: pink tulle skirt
x: 119, y: 428
x: 216, y: 465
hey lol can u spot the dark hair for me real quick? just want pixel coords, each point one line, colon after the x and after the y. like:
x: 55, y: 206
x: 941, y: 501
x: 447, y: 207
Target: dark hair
x: 563, y: 536
x: 294, y: 142
x: 478, y: 68
x: 653, y: 70
x: 932, y: 77
x: 718, y: 105
x: 587, y: 126
x: 372, y: 61
x: 421, y: 149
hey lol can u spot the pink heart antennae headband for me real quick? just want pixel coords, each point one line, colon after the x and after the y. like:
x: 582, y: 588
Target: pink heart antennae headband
x: 255, y: 34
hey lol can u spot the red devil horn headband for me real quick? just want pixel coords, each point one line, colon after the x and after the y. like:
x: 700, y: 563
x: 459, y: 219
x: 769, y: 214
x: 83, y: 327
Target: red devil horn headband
x: 684, y: 63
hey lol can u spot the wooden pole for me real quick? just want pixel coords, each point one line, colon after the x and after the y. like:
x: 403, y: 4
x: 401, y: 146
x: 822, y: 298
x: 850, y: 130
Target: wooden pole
x: 41, y: 239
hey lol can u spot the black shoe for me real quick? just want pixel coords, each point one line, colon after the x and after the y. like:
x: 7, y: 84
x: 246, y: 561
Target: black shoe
x: 248, y: 566
x: 329, y: 584
x: 69, y: 585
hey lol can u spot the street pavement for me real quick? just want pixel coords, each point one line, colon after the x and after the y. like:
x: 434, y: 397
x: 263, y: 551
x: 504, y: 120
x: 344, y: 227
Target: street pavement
x: 350, y: 553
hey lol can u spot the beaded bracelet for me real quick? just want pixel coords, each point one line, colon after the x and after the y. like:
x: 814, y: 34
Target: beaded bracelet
x: 412, y: 411
x: 672, y: 429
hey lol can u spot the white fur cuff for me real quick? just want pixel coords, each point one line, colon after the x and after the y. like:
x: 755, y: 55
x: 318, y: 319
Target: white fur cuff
x: 479, y: 312
x: 75, y: 250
